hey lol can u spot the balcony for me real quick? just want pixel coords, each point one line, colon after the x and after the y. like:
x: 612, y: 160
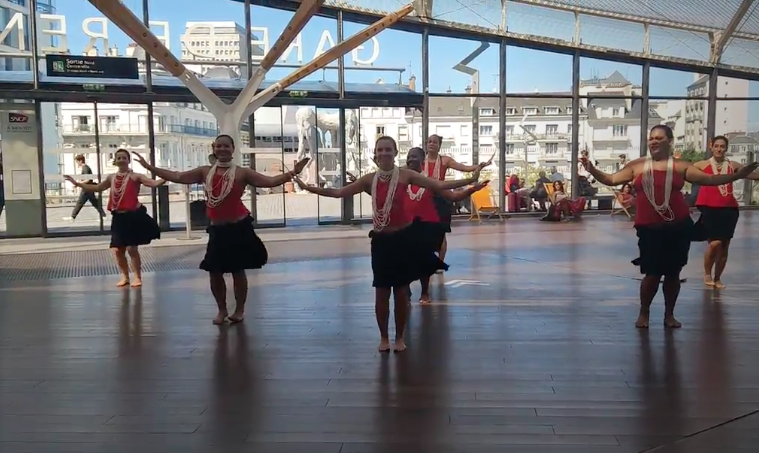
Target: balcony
x: 138, y: 129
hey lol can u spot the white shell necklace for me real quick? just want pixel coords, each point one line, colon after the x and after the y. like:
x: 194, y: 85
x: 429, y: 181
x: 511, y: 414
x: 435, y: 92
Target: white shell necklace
x: 227, y: 182
x: 119, y: 190
x: 649, y: 188
x: 435, y: 175
x: 381, y: 217
x: 722, y: 168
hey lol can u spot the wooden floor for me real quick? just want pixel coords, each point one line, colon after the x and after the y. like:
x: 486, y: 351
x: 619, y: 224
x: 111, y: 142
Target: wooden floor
x: 540, y: 356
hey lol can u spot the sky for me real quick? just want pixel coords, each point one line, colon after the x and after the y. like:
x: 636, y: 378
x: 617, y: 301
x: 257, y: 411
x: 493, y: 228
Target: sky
x: 528, y: 70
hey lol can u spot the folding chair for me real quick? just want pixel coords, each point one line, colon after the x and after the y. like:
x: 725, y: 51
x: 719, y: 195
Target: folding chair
x: 618, y: 202
x: 482, y: 204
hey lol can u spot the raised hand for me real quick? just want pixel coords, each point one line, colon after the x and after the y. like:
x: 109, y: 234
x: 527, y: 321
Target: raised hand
x: 141, y: 160
x: 747, y: 170
x: 480, y: 185
x: 302, y: 164
x: 351, y: 176
x: 70, y: 179
x: 586, y: 163
x: 476, y: 173
x: 299, y: 182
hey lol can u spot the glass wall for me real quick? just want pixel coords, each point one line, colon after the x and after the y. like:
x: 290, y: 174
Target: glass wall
x: 487, y: 100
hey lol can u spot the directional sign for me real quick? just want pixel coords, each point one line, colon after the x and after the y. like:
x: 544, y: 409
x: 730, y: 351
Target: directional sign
x: 458, y: 283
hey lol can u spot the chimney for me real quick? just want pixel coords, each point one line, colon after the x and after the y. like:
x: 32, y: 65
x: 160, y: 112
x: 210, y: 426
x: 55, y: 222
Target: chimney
x: 468, y: 89
x: 448, y: 90
x: 412, y: 83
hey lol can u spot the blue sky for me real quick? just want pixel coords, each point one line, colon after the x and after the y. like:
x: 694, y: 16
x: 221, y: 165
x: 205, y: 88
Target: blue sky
x: 527, y: 70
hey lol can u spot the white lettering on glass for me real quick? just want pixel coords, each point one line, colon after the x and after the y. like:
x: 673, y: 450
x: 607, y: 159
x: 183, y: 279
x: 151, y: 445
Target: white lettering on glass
x: 94, y: 35
x: 200, y: 39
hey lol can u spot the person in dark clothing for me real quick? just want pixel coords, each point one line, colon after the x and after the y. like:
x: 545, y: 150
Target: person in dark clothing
x: 85, y: 196
x: 539, y: 193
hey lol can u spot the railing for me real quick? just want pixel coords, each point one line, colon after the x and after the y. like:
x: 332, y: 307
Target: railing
x: 116, y: 128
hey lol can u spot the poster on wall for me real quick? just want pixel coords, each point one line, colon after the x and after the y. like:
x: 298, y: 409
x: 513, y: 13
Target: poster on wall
x: 19, y: 135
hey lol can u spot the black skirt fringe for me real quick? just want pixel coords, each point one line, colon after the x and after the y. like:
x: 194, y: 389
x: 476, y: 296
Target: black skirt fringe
x: 664, y: 248
x: 133, y: 228
x: 444, y: 210
x: 404, y: 256
x: 716, y: 224
x: 234, y: 247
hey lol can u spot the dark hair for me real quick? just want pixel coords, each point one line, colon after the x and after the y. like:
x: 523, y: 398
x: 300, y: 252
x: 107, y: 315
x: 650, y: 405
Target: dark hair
x: 231, y: 140
x: 122, y: 150
x: 667, y: 130
x: 721, y: 137
x: 437, y: 137
x: 561, y: 185
x: 417, y: 149
x: 79, y: 158
x: 390, y: 139
x: 624, y: 186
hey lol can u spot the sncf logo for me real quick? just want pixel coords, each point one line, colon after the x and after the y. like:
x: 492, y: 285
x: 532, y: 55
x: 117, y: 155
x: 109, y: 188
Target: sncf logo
x: 17, y: 118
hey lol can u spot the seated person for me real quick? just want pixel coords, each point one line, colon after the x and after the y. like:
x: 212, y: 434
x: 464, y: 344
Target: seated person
x: 626, y: 197
x: 538, y: 192
x: 562, y: 204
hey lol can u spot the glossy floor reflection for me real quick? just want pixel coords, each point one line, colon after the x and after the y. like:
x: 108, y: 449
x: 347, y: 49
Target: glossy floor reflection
x: 529, y: 348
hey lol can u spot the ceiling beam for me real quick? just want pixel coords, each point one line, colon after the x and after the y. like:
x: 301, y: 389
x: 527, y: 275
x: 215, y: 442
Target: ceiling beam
x: 719, y: 40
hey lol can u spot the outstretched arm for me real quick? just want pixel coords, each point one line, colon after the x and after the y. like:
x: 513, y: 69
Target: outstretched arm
x: 254, y: 178
x: 153, y: 183
x: 103, y: 185
x: 459, y: 195
x: 194, y: 176
x: 451, y: 163
x: 623, y: 176
x: 362, y: 184
x: 420, y: 180
x: 693, y: 175
x: 754, y: 176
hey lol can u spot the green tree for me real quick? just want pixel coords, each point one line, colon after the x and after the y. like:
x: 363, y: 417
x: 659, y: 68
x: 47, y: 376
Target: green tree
x: 692, y: 155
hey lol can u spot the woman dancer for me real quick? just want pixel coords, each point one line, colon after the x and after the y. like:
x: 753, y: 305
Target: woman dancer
x: 662, y: 218
x: 420, y: 205
x: 233, y: 245
x: 435, y: 167
x: 131, y: 226
x: 719, y: 211
x: 399, y: 251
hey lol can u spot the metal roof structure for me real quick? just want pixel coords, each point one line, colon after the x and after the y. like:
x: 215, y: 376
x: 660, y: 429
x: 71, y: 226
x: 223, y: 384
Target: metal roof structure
x: 700, y: 34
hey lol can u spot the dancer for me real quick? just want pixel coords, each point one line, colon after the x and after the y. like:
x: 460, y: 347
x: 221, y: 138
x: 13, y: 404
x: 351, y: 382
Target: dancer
x: 131, y: 226
x: 421, y: 205
x: 233, y: 245
x: 85, y: 196
x: 719, y: 211
x: 435, y: 167
x: 400, y: 254
x: 662, y: 218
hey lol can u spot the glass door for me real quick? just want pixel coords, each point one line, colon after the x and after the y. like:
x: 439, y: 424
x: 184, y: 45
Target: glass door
x: 71, y: 148
x: 329, y: 171
x: 266, y: 155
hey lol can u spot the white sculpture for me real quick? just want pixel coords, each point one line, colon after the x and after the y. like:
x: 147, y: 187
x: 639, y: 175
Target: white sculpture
x: 312, y: 130
x: 231, y: 116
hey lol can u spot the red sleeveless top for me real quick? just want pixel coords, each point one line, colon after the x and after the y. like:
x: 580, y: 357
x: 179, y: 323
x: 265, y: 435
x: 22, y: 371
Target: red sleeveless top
x: 645, y: 214
x: 710, y: 196
x: 398, y: 214
x: 430, y: 173
x: 231, y: 208
x: 127, y: 201
x: 423, y: 208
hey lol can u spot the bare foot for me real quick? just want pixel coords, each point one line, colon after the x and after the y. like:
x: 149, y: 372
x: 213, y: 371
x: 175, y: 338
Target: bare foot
x: 384, y: 345
x: 137, y: 283
x: 642, y: 322
x: 220, y: 318
x: 425, y: 300
x: 718, y: 284
x: 399, y: 345
x: 708, y: 280
x: 123, y: 282
x: 236, y: 317
x: 672, y: 323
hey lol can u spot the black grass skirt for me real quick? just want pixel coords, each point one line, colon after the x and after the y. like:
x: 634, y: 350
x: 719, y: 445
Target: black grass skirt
x: 404, y: 256
x: 133, y: 228
x: 234, y: 247
x: 716, y: 223
x: 664, y: 248
x: 444, y: 211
